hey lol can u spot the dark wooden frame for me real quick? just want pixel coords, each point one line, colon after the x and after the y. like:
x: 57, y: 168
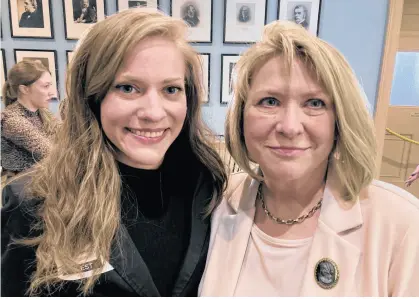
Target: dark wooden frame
x: 25, y: 36
x: 65, y: 19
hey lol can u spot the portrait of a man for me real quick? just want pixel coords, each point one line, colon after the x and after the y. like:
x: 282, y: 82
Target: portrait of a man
x: 32, y: 17
x: 190, y: 14
x: 300, y: 15
x: 84, y: 11
x: 132, y: 4
x: 244, y: 14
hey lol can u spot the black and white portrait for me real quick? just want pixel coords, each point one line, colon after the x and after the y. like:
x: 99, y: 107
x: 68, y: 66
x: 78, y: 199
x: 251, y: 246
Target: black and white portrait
x: 326, y: 274
x: 197, y: 14
x: 305, y: 13
x: 243, y: 20
x: 245, y: 13
x: 85, y: 11
x: 132, y: 4
x: 31, y: 14
x: 300, y: 13
x: 190, y: 14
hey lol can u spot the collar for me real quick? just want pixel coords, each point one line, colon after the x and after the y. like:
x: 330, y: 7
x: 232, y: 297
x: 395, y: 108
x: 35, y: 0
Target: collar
x: 336, y: 213
x: 25, y: 112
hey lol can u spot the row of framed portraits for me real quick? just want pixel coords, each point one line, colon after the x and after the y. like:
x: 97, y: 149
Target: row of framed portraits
x: 49, y: 59
x: 243, y: 19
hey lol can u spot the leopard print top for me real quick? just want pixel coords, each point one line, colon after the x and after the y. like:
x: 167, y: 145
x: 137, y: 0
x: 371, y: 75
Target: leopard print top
x: 24, y: 140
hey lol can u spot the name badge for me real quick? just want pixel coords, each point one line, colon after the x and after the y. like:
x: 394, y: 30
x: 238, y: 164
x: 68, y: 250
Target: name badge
x: 87, y: 267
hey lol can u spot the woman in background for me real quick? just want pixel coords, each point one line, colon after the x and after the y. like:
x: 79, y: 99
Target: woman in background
x: 118, y: 207
x: 27, y: 126
x: 310, y: 220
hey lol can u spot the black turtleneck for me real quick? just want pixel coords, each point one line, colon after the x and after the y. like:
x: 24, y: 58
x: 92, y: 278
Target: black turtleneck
x: 156, y: 210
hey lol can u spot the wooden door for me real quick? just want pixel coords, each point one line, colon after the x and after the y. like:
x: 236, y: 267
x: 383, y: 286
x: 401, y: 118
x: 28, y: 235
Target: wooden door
x: 400, y: 157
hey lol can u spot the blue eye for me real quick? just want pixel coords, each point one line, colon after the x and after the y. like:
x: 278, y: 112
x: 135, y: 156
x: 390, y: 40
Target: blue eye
x: 269, y: 102
x: 316, y: 103
x: 125, y: 88
x: 172, y: 89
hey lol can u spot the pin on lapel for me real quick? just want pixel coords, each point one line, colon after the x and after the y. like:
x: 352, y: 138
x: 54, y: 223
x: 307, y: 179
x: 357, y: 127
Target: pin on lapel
x: 326, y: 273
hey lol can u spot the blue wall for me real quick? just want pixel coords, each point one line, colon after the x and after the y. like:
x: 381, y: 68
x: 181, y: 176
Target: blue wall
x: 405, y: 88
x: 355, y: 27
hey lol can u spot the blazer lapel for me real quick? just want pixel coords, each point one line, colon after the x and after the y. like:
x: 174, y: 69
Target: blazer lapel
x: 335, y: 221
x: 131, y: 267
x: 199, y: 239
x: 240, y: 228
x: 230, y: 244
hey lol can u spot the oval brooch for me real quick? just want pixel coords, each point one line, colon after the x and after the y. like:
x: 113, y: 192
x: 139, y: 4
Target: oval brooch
x: 326, y: 273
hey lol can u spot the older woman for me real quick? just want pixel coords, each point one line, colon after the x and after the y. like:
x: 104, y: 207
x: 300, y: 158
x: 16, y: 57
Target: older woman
x: 117, y: 208
x: 310, y: 221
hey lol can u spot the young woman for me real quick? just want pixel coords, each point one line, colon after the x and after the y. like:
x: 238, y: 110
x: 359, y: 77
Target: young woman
x: 118, y: 207
x: 27, y: 126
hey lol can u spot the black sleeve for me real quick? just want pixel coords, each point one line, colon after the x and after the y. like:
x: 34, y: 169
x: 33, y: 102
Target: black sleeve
x: 17, y: 261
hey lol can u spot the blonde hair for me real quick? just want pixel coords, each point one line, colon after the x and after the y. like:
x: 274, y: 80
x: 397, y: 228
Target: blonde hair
x: 353, y: 155
x: 27, y: 72
x: 79, y: 183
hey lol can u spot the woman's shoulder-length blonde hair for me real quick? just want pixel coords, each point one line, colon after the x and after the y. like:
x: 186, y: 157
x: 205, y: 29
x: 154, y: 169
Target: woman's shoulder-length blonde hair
x: 79, y: 182
x: 353, y: 158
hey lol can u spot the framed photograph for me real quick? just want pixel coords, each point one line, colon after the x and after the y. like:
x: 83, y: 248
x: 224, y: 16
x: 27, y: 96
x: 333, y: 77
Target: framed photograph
x: 80, y: 15
x: 3, y: 75
x: 47, y: 57
x: 205, y: 62
x: 31, y: 18
x: 125, y: 4
x: 228, y: 71
x: 198, y: 15
x: 243, y: 20
x: 306, y: 13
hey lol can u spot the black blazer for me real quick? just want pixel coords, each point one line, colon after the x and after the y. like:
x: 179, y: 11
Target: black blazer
x: 130, y: 276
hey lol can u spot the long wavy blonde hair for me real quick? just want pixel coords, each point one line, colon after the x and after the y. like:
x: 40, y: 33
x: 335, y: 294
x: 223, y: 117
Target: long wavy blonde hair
x: 27, y: 72
x: 354, y: 153
x: 79, y: 183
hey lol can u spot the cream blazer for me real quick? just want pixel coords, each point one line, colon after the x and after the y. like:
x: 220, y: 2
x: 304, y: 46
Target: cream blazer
x: 374, y: 241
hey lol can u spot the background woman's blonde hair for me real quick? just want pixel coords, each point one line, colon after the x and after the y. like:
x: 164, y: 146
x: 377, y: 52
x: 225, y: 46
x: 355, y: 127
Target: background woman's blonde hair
x: 26, y: 72
x: 354, y: 152
x: 79, y: 182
